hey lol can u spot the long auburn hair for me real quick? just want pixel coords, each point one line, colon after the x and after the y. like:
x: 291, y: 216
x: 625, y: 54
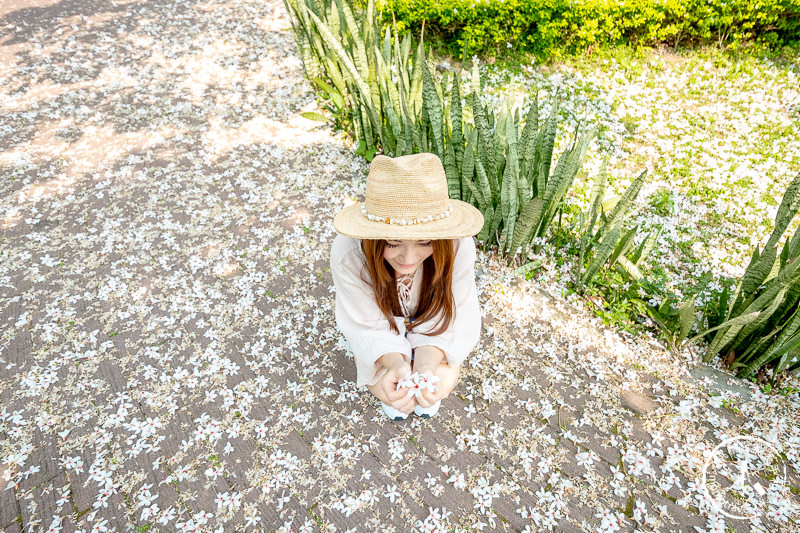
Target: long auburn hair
x: 436, y: 292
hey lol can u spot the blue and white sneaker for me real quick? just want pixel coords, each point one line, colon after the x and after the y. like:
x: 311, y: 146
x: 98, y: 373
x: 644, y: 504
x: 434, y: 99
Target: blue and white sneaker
x: 427, y: 412
x: 392, y: 413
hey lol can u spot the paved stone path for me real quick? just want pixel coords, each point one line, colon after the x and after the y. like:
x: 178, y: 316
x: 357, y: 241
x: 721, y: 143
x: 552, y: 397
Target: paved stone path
x: 169, y: 356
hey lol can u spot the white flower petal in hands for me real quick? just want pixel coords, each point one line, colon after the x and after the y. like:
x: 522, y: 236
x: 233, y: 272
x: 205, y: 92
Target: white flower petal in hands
x: 417, y: 383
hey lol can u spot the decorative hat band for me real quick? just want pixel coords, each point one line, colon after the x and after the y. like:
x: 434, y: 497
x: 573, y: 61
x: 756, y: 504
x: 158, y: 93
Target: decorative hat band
x: 406, y: 221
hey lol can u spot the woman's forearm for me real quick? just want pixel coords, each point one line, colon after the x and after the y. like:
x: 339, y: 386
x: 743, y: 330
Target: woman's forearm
x: 427, y: 359
x: 391, y: 360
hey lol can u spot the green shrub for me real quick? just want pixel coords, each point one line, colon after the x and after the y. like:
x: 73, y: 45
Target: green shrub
x: 551, y: 27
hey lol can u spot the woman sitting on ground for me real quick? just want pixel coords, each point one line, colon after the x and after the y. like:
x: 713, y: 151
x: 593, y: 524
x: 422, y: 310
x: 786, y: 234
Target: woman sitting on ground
x: 403, y: 266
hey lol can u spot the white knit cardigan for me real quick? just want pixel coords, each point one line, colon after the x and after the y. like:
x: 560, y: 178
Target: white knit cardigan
x: 366, y: 329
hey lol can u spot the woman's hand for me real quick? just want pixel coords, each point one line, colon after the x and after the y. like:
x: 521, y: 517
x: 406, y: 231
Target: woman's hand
x: 431, y: 360
x: 448, y: 377
x: 386, y: 387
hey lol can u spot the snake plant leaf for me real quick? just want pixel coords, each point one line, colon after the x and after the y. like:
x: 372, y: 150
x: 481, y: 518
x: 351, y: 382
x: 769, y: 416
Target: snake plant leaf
x: 393, y: 134
x: 790, y: 205
x: 387, y: 140
x: 387, y: 45
x: 783, y: 344
x: 475, y: 194
x: 390, y: 101
x: 776, y: 268
x: 721, y: 340
x: 358, y: 127
x: 476, y: 83
x: 553, y: 194
x: 405, y: 50
x: 415, y: 95
x: 732, y: 325
x: 369, y: 26
x: 527, y: 140
x: 544, y: 146
x: 433, y: 106
x: 456, y: 122
x: 451, y: 172
x: 496, y: 220
x: 527, y: 223
x: 498, y: 143
x: 604, y: 251
x: 598, y: 189
x: 623, y: 246
x: 623, y: 205
x: 488, y: 217
x: 482, y: 126
x: 344, y: 58
x: 793, y: 248
x: 483, y: 182
x: 425, y: 124
x: 468, y: 171
x: 369, y: 138
x: 647, y: 245
x: 353, y: 29
x: 304, y: 45
x: 789, y: 348
x: 758, y: 271
x: 509, y: 196
x: 564, y: 175
x: 687, y: 317
x: 787, y: 277
x: 759, y: 323
x: 333, y: 19
x: 628, y: 269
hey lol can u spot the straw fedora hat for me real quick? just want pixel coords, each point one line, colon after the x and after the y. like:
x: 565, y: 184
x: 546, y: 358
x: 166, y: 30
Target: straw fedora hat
x: 406, y: 199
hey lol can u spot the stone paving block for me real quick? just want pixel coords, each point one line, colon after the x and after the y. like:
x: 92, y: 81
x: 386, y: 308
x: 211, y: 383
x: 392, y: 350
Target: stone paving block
x: 13, y: 527
x: 607, y: 453
x: 110, y: 372
x: 637, y: 402
x: 680, y: 519
x: 115, y: 512
x: 38, y: 507
x: 565, y: 525
x: 9, y: 508
x: 20, y: 349
x: 45, y: 456
x: 511, y: 519
x: 436, y: 441
x: 84, y: 490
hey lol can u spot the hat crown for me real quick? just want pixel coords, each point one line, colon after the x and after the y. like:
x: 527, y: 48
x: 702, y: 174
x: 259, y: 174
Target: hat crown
x: 406, y: 187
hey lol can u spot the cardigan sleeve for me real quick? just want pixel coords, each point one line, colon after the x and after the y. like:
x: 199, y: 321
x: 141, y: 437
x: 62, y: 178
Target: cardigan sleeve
x: 358, y: 316
x: 465, y: 329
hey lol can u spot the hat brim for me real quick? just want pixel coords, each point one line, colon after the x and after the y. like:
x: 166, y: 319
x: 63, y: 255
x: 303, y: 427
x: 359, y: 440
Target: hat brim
x: 464, y: 221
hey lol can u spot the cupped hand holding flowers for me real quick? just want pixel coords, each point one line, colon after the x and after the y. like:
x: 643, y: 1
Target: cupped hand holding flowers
x: 431, y: 361
x: 447, y: 377
x: 386, y: 389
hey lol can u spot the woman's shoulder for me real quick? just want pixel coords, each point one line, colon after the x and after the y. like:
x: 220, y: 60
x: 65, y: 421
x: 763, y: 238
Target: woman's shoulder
x: 345, y: 249
x: 464, y: 248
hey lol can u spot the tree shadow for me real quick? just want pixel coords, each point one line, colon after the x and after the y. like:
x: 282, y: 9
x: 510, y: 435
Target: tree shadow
x: 83, y: 68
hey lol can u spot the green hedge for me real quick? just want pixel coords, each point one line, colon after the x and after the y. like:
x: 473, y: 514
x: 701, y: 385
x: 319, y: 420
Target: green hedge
x: 551, y: 27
